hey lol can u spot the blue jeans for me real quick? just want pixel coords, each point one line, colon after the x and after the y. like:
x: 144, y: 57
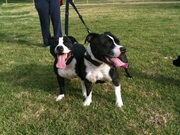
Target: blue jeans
x: 49, y: 10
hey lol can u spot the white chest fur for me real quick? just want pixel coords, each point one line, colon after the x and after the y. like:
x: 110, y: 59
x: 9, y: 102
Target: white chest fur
x: 95, y: 73
x: 69, y: 71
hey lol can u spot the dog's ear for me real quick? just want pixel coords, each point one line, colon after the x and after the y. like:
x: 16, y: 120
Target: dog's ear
x: 73, y: 40
x: 54, y: 41
x: 90, y: 37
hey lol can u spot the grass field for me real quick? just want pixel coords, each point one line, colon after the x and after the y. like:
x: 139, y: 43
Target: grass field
x: 28, y: 86
x: 90, y: 1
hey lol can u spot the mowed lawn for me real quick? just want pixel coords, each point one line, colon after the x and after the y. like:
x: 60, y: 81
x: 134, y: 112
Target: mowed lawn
x: 28, y: 86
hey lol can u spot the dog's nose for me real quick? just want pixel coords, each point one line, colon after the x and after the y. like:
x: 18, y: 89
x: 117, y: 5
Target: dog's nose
x: 59, y: 49
x: 123, y: 49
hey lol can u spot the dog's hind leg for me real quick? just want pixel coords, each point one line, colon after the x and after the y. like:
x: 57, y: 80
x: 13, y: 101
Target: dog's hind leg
x: 83, y: 89
x: 61, y: 83
x: 88, y: 99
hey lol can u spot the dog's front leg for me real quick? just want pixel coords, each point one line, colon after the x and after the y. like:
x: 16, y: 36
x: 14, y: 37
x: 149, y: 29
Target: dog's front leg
x: 61, y: 86
x: 119, y: 101
x: 88, y: 99
x: 117, y: 88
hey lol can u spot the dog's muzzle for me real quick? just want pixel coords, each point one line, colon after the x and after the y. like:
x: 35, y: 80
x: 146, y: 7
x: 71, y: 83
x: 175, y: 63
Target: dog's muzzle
x: 59, y: 49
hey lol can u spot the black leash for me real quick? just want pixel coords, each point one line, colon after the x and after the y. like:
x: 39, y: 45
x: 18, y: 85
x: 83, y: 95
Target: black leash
x: 67, y: 16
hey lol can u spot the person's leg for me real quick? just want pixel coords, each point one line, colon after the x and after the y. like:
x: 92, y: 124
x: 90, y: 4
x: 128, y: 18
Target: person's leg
x: 56, y: 18
x: 42, y: 7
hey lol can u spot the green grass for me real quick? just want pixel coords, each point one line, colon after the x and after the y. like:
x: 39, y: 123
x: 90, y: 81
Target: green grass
x: 28, y: 86
x: 89, y: 1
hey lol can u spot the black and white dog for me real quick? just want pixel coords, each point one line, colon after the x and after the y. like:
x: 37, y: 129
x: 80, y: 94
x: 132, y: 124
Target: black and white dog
x: 176, y: 62
x: 101, y: 61
x: 68, y: 56
x: 97, y: 64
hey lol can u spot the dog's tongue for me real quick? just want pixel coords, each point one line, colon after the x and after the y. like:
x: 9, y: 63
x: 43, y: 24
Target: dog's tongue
x: 118, y: 63
x: 61, y: 61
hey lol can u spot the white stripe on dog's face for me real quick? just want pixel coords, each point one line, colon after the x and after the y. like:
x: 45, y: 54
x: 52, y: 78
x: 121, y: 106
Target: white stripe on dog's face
x: 116, y: 50
x: 65, y: 49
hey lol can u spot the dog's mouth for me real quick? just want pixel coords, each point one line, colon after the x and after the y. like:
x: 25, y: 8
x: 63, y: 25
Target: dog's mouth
x: 62, y: 60
x: 116, y: 62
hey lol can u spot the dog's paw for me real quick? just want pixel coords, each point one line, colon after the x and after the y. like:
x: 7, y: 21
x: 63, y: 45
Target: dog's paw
x: 84, y: 94
x: 58, y: 98
x: 87, y: 102
x: 119, y: 103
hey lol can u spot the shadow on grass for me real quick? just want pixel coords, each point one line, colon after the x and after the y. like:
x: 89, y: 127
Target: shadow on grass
x: 32, y: 77
x: 169, y: 6
x: 166, y: 86
x: 20, y: 39
x: 159, y: 78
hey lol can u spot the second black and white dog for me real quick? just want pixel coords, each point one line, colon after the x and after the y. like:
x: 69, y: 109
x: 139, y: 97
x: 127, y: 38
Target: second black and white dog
x: 68, y: 55
x: 101, y: 61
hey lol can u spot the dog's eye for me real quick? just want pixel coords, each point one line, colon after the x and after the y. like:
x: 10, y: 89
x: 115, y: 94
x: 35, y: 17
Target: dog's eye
x: 109, y: 44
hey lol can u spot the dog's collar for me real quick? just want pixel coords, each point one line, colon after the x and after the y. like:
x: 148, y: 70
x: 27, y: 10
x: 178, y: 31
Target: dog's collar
x: 88, y: 57
x: 70, y: 59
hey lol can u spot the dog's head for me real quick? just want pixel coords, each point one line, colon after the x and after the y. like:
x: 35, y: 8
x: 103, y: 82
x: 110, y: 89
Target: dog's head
x: 176, y: 62
x: 62, y: 50
x: 106, y: 48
